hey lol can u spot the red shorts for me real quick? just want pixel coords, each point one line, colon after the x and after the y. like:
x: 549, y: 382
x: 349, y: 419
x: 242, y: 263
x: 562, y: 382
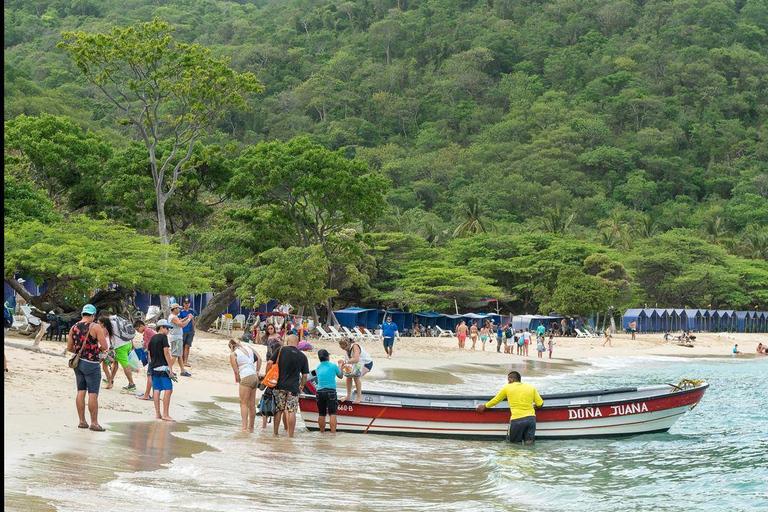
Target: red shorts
x: 462, y: 336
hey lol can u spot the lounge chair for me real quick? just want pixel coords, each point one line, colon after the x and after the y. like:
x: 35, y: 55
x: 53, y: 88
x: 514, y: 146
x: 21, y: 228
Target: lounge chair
x: 444, y: 332
x: 351, y: 334
x: 581, y: 334
x: 239, y: 322
x: 371, y: 334
x: 323, y: 335
x: 335, y: 332
x: 362, y: 335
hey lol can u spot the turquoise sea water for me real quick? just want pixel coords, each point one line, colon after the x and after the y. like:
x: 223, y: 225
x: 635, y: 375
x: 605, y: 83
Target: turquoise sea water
x: 714, y: 458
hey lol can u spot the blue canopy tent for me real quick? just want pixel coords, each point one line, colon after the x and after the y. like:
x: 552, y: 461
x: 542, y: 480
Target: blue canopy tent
x: 427, y: 318
x: 763, y: 321
x: 481, y: 318
x: 657, y: 320
x: 353, y: 317
x: 403, y: 319
x: 449, y: 322
x: 727, y: 318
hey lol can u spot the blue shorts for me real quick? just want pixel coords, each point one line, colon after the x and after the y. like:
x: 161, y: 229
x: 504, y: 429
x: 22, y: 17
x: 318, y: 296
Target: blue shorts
x: 389, y: 342
x: 88, y: 376
x: 369, y: 366
x: 161, y: 383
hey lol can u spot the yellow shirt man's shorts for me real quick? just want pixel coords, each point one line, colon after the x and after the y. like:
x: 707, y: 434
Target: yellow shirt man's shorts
x: 521, y: 398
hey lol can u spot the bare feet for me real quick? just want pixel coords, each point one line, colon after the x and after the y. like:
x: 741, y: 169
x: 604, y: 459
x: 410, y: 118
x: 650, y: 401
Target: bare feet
x: 357, y: 400
x: 344, y: 399
x: 167, y: 418
x: 158, y: 417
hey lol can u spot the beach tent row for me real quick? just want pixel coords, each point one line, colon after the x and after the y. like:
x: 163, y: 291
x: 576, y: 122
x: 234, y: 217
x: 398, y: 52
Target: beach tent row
x: 372, y: 318
x: 702, y: 320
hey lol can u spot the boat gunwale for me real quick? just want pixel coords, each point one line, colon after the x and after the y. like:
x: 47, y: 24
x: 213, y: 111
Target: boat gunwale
x: 701, y: 387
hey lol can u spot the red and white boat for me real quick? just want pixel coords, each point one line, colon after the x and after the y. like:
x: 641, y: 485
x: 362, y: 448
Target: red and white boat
x: 606, y: 413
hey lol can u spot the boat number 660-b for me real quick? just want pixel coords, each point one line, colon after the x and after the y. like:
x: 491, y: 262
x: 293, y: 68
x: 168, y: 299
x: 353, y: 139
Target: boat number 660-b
x: 347, y: 408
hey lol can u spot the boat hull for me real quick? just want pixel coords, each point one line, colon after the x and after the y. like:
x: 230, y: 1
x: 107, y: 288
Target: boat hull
x: 624, y: 417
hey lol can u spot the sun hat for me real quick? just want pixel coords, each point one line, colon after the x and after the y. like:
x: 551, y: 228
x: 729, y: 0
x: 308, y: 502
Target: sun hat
x: 175, y: 305
x: 89, y: 309
x: 164, y: 323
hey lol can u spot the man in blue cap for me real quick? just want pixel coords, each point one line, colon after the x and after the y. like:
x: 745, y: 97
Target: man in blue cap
x: 87, y: 339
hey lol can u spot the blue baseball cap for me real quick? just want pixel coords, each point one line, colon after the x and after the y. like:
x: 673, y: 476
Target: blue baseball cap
x: 89, y: 309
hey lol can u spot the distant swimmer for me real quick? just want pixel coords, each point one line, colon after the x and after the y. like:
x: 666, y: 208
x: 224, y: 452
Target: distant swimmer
x: 521, y: 398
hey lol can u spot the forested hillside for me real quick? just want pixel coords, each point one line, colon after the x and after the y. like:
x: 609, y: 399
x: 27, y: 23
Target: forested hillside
x: 525, y: 149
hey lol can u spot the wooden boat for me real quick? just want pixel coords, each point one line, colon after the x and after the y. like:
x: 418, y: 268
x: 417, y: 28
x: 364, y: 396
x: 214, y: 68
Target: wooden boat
x: 605, y: 413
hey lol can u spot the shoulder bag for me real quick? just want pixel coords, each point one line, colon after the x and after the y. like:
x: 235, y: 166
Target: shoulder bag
x: 75, y: 359
x: 273, y: 375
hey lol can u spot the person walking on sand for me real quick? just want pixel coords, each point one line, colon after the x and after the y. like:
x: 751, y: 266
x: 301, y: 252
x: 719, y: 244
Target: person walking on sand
x: 188, y: 331
x: 294, y: 370
x: 272, y: 340
x: 461, y: 333
x: 521, y: 398
x: 242, y: 359
x: 389, y: 331
x: 540, y: 347
x: 122, y: 348
x: 146, y: 334
x: 107, y: 357
x: 86, y: 338
x: 484, y: 335
x: 176, y: 337
x: 526, y: 341
x: 473, y: 333
x: 608, y: 336
x: 327, y: 400
x: 159, y: 354
x: 551, y: 343
x: 361, y: 363
x: 633, y: 328
x: 499, y: 337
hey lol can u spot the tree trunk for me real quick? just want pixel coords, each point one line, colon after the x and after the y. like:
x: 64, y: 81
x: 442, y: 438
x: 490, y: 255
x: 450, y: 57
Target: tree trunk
x: 215, y: 307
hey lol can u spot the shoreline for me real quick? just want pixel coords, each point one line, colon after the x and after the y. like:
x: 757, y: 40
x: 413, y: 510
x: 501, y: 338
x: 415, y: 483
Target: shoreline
x: 39, y: 391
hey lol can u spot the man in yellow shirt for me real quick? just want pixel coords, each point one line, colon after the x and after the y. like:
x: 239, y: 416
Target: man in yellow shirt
x: 521, y: 398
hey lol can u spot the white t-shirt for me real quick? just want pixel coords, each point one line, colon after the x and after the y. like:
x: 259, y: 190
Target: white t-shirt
x: 244, y: 356
x: 177, y: 333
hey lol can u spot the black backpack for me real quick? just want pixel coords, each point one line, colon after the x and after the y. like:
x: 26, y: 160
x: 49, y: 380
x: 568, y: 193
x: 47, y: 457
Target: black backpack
x: 508, y: 333
x: 268, y: 405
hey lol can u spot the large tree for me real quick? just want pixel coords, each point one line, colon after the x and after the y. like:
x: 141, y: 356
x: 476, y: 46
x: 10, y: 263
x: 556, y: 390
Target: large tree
x: 170, y: 93
x: 319, y: 192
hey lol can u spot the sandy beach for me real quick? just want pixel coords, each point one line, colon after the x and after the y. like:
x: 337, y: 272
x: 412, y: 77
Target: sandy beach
x: 39, y: 390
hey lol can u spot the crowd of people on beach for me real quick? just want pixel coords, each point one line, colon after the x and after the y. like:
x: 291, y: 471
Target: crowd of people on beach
x: 513, y: 341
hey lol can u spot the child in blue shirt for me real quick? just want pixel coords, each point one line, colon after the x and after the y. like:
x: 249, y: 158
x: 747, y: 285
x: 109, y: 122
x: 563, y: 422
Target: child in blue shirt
x: 327, y: 400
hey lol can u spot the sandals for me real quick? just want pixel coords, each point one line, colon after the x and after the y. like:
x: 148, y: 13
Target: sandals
x: 97, y: 428
x: 82, y: 425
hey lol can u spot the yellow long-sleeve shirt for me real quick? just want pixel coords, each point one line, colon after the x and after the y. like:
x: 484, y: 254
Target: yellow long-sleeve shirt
x: 521, y: 398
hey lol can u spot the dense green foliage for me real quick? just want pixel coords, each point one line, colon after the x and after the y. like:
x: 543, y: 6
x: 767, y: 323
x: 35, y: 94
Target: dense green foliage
x: 519, y: 140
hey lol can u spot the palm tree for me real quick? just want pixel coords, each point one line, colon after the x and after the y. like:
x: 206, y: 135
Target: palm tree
x: 754, y: 244
x: 556, y: 221
x: 471, y: 218
x: 615, y: 229
x: 715, y: 229
x: 645, y: 226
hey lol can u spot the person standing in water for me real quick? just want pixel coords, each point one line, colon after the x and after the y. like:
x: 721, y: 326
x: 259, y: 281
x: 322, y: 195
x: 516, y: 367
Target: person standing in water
x: 461, y: 333
x: 294, y: 370
x: 389, y: 331
x: 242, y: 360
x: 521, y: 398
x: 327, y: 399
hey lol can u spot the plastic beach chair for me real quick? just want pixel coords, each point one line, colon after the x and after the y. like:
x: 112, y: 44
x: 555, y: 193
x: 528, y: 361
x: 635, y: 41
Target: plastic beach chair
x: 580, y: 333
x: 335, y: 332
x: 445, y: 332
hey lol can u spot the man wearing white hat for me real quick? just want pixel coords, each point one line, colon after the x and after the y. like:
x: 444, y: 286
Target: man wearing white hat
x: 176, y: 337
